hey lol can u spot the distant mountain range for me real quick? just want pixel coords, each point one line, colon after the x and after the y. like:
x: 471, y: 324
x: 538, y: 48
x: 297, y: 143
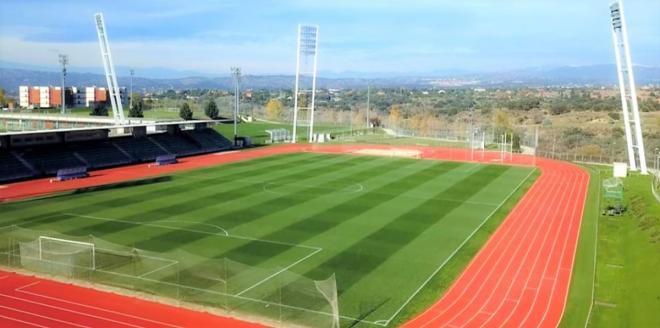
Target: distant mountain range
x: 597, y: 75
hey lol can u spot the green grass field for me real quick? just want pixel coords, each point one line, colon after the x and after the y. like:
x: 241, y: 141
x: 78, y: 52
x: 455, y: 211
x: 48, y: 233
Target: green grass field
x: 383, y: 226
x: 617, y: 255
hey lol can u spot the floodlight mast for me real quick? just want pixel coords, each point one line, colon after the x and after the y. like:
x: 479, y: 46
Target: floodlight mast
x: 627, y: 89
x: 236, y: 74
x: 307, y: 45
x: 64, y: 60
x: 110, y: 76
x: 130, y: 92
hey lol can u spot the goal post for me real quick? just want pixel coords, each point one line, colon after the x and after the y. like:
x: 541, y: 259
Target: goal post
x: 60, y: 246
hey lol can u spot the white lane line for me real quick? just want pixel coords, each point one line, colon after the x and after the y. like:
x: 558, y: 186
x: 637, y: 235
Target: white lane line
x: 538, y: 261
x: 68, y: 310
x: 509, y: 259
x: 22, y: 290
x: 563, y: 250
x: 42, y: 316
x: 460, y: 247
x: 508, y: 228
x: 23, y: 321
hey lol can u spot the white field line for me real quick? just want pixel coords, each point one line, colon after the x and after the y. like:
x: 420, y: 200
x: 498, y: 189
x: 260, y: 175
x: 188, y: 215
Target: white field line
x: 458, y: 248
x: 315, y: 249
x: 191, y: 230
x: 521, y: 231
x: 22, y: 290
x: 200, y: 223
x: 28, y: 221
x: 278, y: 272
x: 361, y: 187
x: 593, y: 281
x: 23, y: 321
x: 159, y: 269
x: 269, y: 190
x: 237, y: 297
x: 42, y: 316
x: 68, y: 310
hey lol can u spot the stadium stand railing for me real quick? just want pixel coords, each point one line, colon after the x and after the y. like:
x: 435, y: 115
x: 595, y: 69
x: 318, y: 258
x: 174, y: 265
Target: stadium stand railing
x: 44, y: 160
x: 12, y: 168
x: 176, y: 145
x: 209, y: 140
x: 101, y: 154
x: 50, y: 159
x: 142, y: 148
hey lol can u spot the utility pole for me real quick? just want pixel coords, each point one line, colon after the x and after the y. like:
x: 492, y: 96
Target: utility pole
x: 471, y: 136
x: 236, y: 74
x: 130, y: 94
x: 64, y: 60
x: 368, y: 103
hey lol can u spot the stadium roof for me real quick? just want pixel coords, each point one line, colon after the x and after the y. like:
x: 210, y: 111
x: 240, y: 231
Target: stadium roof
x: 111, y: 127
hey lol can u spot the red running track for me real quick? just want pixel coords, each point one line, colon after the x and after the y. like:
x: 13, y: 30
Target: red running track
x: 27, y: 301
x: 520, y: 278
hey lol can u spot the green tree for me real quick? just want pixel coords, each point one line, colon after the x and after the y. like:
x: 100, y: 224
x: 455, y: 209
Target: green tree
x: 211, y: 110
x: 2, y: 97
x: 136, y: 110
x: 99, y: 109
x: 185, y: 112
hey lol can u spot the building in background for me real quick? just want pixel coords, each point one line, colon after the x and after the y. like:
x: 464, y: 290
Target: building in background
x: 51, y: 97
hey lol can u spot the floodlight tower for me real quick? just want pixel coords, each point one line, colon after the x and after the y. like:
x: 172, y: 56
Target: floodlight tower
x: 130, y: 92
x: 627, y: 88
x: 236, y: 74
x: 307, y: 46
x: 110, y: 76
x: 64, y: 60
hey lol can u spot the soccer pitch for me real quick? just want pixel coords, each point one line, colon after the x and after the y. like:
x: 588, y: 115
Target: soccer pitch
x: 383, y: 226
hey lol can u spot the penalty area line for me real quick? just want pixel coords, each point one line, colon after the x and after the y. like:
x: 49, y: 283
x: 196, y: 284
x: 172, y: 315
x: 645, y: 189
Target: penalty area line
x: 279, y: 272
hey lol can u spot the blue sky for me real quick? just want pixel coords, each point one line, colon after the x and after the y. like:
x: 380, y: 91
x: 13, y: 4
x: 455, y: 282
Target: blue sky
x: 413, y: 36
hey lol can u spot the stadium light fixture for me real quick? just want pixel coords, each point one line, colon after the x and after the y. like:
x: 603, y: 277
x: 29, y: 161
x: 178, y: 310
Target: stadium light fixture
x: 110, y: 76
x: 64, y: 60
x: 236, y: 75
x: 627, y: 89
x: 307, y: 47
x: 130, y: 92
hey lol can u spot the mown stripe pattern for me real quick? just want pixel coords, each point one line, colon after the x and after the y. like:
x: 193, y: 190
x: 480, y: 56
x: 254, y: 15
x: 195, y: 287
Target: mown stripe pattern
x: 367, y: 214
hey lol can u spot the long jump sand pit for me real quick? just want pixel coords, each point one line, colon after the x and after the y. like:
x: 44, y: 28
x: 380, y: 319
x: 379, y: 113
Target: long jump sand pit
x: 392, y: 152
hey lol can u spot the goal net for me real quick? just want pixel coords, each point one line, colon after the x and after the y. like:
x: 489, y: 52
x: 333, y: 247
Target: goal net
x: 63, y: 257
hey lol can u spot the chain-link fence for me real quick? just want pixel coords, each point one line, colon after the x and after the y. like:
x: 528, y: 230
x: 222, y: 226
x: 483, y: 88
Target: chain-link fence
x: 274, y: 296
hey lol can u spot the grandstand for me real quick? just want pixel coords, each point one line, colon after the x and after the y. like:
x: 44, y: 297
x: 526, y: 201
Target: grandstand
x: 43, y: 153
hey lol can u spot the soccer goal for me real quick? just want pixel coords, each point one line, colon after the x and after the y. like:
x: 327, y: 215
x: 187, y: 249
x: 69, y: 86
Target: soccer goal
x: 51, y: 248
x: 58, y: 256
